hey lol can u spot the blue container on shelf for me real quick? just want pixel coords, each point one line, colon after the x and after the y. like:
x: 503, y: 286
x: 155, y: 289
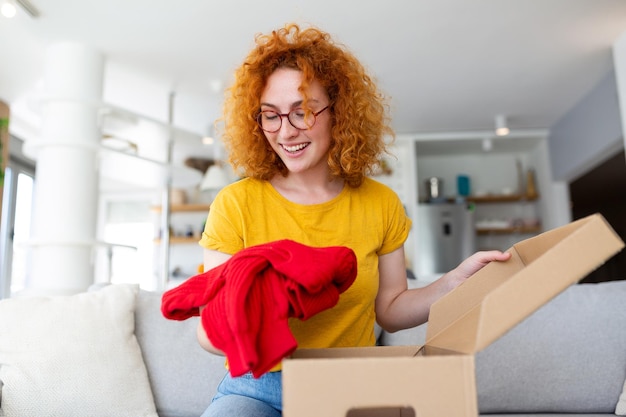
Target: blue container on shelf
x: 463, y: 185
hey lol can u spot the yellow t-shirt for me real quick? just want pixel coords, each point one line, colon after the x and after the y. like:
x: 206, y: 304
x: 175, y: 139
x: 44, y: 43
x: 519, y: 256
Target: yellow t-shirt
x: 369, y: 219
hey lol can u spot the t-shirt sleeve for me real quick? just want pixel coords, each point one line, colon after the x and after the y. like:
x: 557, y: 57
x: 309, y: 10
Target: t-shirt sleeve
x: 222, y: 231
x: 398, y: 224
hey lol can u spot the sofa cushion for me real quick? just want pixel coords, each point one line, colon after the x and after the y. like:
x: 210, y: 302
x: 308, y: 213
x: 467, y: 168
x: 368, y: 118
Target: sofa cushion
x: 569, y: 356
x: 183, y: 376
x: 73, y: 356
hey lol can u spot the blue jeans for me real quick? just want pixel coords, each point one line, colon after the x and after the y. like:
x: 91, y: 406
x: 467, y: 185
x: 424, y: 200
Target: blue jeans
x: 247, y: 396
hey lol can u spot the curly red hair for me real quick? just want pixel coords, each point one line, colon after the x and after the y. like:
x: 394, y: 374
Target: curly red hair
x: 359, y: 111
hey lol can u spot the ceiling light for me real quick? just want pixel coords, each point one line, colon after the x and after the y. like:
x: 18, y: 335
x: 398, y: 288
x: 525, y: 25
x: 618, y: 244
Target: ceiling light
x: 8, y: 9
x: 215, y: 85
x: 501, y: 127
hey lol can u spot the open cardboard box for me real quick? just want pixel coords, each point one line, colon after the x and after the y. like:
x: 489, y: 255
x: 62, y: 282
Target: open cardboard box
x: 438, y: 379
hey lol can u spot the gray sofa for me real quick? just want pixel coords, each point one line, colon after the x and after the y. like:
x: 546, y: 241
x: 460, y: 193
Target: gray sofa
x: 568, y: 358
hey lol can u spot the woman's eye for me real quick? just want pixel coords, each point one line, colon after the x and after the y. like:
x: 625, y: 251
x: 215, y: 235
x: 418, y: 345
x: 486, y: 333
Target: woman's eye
x: 269, y: 115
x: 299, y: 113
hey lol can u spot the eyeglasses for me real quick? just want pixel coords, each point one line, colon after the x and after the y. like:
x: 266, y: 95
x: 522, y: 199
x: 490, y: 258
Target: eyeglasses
x: 271, y: 121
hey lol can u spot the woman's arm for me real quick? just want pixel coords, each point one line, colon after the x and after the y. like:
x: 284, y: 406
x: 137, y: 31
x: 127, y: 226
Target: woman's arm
x: 212, y: 259
x: 398, y: 307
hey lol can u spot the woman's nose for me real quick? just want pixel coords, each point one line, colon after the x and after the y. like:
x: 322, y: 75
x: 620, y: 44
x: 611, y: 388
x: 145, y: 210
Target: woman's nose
x: 287, y: 130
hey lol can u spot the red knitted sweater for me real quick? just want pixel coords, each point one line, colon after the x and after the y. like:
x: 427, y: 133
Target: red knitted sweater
x: 250, y: 297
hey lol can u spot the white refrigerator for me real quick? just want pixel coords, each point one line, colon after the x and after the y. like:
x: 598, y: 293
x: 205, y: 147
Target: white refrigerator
x: 445, y: 236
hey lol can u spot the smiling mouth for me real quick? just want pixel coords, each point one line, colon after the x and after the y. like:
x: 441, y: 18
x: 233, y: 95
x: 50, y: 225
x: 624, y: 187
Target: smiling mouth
x: 295, y: 148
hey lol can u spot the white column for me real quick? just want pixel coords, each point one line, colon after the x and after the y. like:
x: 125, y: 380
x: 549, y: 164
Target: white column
x: 66, y: 186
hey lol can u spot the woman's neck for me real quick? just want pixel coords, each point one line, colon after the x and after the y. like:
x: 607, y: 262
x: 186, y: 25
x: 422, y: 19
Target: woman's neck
x: 307, y: 189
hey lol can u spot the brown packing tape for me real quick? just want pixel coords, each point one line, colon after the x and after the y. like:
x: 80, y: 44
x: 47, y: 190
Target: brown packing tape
x: 543, y: 267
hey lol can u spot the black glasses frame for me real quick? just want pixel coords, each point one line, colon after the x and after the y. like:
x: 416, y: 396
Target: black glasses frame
x: 283, y: 115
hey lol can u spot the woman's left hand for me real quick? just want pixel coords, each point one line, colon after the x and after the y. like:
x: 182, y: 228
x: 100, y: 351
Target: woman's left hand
x: 473, y: 264
x: 400, y: 308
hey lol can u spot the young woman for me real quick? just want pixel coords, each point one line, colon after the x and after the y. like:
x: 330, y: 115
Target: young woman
x: 305, y: 124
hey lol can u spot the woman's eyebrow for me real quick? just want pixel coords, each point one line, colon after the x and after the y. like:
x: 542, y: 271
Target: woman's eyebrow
x: 295, y: 104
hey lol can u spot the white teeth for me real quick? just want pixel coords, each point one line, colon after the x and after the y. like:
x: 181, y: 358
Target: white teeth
x: 295, y: 148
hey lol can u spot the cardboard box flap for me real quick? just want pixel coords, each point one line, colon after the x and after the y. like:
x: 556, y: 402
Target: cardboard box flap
x: 501, y: 295
x: 356, y: 352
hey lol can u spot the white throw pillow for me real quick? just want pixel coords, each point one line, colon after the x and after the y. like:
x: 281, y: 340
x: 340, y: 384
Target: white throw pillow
x: 73, y: 356
x: 620, y: 410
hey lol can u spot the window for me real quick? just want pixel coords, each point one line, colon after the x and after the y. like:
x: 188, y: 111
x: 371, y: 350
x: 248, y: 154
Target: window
x: 23, y: 209
x: 15, y: 228
x: 129, y: 232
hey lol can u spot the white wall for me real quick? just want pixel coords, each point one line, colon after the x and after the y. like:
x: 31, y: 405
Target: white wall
x: 402, y: 181
x: 619, y: 59
x: 490, y: 173
x: 589, y: 133
x: 554, y: 204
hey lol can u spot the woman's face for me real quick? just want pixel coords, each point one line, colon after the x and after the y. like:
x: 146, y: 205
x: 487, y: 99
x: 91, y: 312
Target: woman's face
x: 300, y: 150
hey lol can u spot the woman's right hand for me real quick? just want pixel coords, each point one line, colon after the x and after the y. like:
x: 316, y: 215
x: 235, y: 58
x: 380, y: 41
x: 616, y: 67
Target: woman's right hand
x: 212, y: 259
x: 203, y: 339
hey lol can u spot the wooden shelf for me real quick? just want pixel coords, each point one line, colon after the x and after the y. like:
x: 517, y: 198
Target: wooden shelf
x: 185, y: 207
x: 180, y: 240
x: 503, y: 198
x: 508, y: 230
x: 490, y: 198
x: 500, y: 198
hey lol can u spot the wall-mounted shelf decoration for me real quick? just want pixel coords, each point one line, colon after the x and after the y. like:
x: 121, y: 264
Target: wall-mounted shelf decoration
x: 508, y: 230
x: 502, y: 198
x: 185, y: 208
